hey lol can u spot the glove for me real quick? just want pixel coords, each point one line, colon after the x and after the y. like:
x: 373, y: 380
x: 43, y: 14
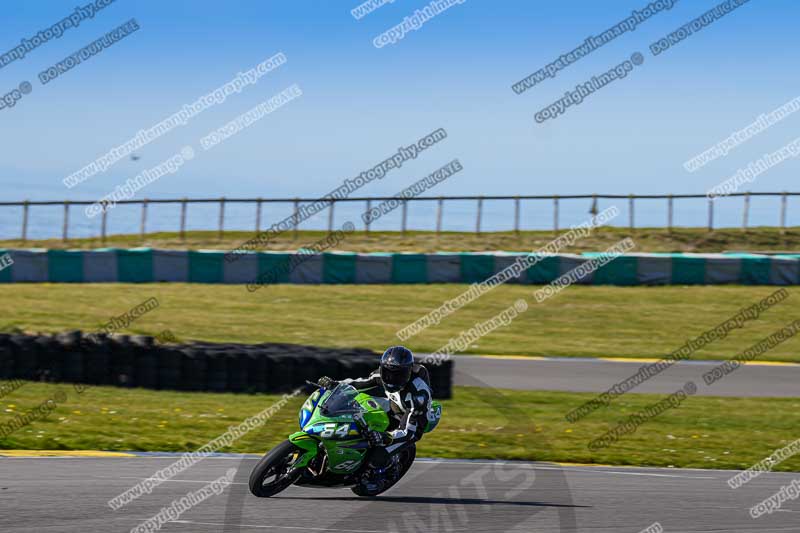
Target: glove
x: 327, y: 383
x: 376, y: 438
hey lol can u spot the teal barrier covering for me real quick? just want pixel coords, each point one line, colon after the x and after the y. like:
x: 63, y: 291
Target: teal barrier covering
x: 620, y: 271
x: 476, y: 267
x: 65, y: 266
x: 338, y: 267
x: 688, y: 270
x: 5, y: 274
x: 273, y: 268
x: 135, y: 266
x: 546, y: 270
x: 409, y: 268
x: 755, y: 268
x: 206, y: 267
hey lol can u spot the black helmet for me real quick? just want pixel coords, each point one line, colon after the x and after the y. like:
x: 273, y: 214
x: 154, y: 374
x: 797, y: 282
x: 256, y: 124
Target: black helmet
x: 396, y: 364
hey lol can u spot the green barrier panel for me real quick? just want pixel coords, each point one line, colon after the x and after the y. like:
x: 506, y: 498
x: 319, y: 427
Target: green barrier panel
x: 206, y: 267
x: 135, y: 266
x: 65, y: 266
x: 409, y: 268
x: 620, y: 271
x: 273, y: 268
x: 688, y: 270
x: 756, y: 270
x: 5, y: 273
x: 545, y: 271
x: 476, y: 268
x: 338, y: 268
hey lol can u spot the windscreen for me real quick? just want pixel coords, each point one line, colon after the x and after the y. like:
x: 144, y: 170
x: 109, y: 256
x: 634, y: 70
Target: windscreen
x: 341, y: 401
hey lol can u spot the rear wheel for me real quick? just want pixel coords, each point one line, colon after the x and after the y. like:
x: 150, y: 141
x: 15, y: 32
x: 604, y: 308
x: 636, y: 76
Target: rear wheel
x: 273, y: 472
x: 391, y: 477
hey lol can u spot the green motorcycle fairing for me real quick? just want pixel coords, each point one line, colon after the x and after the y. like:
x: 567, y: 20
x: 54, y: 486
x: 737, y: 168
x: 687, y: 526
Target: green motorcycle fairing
x: 328, y: 417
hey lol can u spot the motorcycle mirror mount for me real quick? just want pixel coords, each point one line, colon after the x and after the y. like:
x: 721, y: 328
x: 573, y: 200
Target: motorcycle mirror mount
x: 359, y: 419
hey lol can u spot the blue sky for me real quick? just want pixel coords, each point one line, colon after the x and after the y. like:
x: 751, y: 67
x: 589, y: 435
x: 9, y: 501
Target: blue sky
x: 360, y: 102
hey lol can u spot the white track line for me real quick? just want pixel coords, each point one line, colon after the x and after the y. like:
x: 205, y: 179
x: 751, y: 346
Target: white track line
x: 304, y: 528
x: 454, y: 462
x: 176, y: 480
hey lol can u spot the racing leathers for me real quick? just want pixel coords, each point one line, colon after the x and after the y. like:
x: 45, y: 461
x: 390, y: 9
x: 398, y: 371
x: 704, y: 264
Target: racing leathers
x: 409, y: 407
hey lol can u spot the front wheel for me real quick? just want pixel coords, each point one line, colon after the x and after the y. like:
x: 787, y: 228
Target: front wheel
x: 273, y: 472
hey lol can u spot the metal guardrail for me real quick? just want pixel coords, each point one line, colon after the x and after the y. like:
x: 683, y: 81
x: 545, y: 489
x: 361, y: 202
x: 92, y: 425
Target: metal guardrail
x: 296, y: 202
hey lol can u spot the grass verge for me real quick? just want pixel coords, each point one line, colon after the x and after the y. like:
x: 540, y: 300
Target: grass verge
x: 703, y: 432
x: 647, y: 240
x: 632, y: 322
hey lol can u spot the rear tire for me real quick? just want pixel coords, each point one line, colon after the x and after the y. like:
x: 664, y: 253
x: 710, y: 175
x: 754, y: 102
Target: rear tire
x: 275, y: 464
x: 406, y: 460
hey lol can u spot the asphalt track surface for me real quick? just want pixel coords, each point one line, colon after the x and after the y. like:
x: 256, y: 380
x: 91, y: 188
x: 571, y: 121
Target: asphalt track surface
x: 598, y: 375
x: 66, y: 495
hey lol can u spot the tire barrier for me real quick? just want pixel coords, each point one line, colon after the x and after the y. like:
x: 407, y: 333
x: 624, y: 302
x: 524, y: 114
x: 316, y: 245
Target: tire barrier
x: 138, y: 361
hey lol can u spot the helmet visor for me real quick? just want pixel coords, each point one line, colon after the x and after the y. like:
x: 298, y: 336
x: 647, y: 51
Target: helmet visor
x: 395, y: 378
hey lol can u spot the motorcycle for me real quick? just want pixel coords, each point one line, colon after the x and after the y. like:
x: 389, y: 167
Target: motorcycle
x: 331, y: 449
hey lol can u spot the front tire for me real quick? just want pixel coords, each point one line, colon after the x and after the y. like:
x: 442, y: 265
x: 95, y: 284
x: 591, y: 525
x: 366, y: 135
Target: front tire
x: 272, y: 473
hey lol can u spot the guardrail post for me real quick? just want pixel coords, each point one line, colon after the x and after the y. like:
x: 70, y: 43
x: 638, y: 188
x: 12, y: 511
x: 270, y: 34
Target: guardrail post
x: 368, y: 219
x: 746, y: 211
x: 183, y: 219
x: 710, y: 214
x: 143, y: 224
x: 783, y: 212
x: 669, y: 213
x: 631, y: 212
x: 330, y: 216
x: 258, y: 215
x: 479, y: 215
x: 25, y: 221
x: 65, y: 226
x: 439, y: 214
x: 221, y: 217
x: 103, y: 227
x: 555, y: 214
x: 405, y: 216
x: 296, y: 218
x: 516, y: 215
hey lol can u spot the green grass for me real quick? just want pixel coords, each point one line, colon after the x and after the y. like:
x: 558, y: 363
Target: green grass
x: 597, y: 321
x: 477, y: 423
x: 647, y: 240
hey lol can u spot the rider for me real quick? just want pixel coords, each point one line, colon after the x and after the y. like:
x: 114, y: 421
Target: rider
x: 408, y: 387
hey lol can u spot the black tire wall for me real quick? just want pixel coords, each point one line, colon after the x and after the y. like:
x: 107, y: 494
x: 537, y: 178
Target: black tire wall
x: 138, y: 361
